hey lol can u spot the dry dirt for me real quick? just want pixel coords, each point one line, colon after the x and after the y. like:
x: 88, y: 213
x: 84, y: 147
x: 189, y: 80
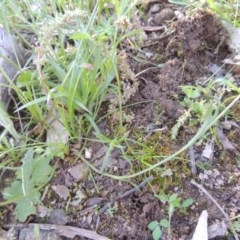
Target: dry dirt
x: 181, y: 56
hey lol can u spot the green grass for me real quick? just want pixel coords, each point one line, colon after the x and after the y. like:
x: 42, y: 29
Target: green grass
x: 75, y: 78
x: 64, y: 80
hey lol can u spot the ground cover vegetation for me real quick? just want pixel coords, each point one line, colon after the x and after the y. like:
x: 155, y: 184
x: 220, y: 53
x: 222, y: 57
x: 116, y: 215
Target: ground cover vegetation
x: 118, y: 95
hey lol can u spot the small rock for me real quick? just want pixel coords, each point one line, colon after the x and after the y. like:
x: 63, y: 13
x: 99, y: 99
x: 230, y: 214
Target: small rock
x: 166, y: 14
x: 217, y: 230
x: 155, y: 8
x: 61, y: 190
x: 42, y: 211
x: 93, y: 201
x: 208, y: 151
x: 88, y: 153
x: 179, y: 15
x: 78, y: 172
x: 58, y: 216
x: 218, y: 71
x: 232, y: 215
x: 201, y: 231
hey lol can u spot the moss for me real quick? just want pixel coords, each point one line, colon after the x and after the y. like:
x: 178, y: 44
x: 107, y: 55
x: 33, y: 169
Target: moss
x: 154, y: 148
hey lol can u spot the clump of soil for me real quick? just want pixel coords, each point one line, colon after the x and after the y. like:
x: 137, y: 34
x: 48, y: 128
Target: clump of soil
x: 195, y: 43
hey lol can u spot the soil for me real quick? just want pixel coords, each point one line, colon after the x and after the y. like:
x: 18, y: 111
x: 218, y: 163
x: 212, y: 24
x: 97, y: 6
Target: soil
x: 182, y: 55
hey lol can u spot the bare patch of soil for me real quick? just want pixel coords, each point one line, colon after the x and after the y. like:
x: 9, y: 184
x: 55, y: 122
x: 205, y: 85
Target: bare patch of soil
x: 188, y: 52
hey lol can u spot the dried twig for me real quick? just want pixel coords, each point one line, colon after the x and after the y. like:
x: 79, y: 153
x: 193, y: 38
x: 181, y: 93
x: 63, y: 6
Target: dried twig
x: 66, y: 231
x: 140, y: 185
x: 156, y: 40
x: 145, y: 70
x: 152, y: 28
x: 199, y: 186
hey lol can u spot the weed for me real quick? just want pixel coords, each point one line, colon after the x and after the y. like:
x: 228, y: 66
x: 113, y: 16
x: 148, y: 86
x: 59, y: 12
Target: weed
x: 157, y: 228
x: 112, y: 209
x: 73, y: 61
x: 33, y: 174
x: 200, y: 102
x: 172, y: 202
x: 236, y: 225
x: 227, y: 10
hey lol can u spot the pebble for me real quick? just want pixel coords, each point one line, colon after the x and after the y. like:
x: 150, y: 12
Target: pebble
x: 58, y: 216
x: 166, y: 14
x: 155, y: 8
x: 179, y: 15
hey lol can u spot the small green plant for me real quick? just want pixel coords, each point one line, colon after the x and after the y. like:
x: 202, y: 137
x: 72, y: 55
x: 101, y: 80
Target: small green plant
x: 112, y: 209
x: 236, y: 225
x: 227, y: 10
x: 172, y: 202
x: 201, y: 102
x: 157, y: 228
x: 31, y: 176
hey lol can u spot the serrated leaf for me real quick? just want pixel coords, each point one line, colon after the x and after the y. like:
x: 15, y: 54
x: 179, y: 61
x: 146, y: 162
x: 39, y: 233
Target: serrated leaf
x: 41, y: 170
x: 33, y: 173
x: 157, y: 233
x: 27, y: 206
x: 35, y: 170
x: 26, y: 172
x: 24, y: 204
x: 188, y: 202
x: 152, y: 225
x: 11, y: 193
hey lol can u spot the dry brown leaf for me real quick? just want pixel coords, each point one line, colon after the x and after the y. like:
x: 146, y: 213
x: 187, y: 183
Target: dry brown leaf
x: 227, y: 145
x: 43, y: 211
x: 61, y: 190
x: 78, y: 172
x: 56, y: 133
x: 208, y: 151
x: 229, y: 124
x: 217, y: 230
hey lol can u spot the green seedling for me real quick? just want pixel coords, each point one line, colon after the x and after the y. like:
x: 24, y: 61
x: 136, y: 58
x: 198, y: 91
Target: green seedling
x: 158, y: 227
x: 112, y: 209
x: 173, y: 202
x: 203, y: 102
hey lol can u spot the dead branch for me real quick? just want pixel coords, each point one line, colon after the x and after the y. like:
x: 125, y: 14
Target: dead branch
x: 66, y: 231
